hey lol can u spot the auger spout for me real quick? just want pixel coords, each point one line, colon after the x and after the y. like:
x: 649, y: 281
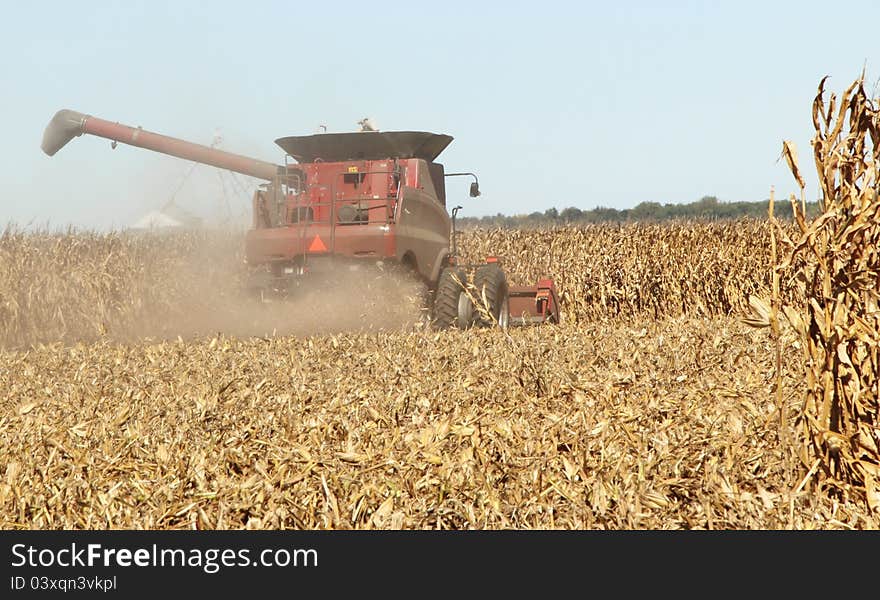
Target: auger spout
x: 68, y: 124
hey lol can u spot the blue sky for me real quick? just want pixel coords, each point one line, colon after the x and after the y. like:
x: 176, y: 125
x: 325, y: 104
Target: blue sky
x: 552, y: 104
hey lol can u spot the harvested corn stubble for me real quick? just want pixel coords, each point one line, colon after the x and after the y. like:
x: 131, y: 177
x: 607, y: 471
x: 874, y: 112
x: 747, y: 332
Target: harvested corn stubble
x: 139, y: 389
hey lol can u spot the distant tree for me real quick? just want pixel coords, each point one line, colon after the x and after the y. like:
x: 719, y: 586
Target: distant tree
x: 571, y: 214
x: 647, y: 211
x: 707, y: 207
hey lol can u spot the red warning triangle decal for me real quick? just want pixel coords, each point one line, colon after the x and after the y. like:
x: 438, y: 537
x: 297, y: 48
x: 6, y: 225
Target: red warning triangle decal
x: 317, y: 245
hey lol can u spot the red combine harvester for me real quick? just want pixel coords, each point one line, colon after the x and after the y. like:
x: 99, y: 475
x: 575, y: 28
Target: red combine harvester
x: 351, y: 200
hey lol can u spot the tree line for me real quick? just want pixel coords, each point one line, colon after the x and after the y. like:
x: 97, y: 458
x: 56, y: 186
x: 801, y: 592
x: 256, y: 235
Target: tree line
x: 706, y: 208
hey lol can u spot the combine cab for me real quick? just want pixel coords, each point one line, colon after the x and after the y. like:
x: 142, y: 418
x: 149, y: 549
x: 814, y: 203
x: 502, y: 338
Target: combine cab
x: 353, y: 201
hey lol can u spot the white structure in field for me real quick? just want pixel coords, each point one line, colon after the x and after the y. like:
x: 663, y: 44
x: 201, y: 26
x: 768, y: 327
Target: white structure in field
x: 169, y: 216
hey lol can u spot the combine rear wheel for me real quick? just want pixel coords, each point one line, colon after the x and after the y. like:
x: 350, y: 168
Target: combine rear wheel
x: 448, y: 298
x: 490, y: 280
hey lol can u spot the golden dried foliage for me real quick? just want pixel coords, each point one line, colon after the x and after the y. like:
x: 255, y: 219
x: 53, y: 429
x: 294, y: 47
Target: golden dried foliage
x: 84, y: 286
x: 647, y: 408
x: 836, y: 261
x: 659, y: 424
x: 622, y: 270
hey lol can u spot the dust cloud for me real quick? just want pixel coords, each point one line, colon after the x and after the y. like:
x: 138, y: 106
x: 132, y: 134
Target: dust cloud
x: 210, y: 297
x: 72, y: 287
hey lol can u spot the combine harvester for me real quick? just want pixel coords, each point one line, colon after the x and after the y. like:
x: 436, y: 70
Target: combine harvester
x: 351, y: 201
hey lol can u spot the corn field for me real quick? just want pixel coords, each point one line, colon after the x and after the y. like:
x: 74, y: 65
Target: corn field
x: 81, y: 286
x: 140, y: 390
x: 628, y: 270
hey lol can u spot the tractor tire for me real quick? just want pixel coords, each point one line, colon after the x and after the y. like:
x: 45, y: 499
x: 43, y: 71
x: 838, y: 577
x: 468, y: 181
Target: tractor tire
x: 490, y: 279
x: 447, y: 298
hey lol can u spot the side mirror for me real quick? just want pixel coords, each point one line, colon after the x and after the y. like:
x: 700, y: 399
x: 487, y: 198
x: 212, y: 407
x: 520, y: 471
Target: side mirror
x: 475, y: 186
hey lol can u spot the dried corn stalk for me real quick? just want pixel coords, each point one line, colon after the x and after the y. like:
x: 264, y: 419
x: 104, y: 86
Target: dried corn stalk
x: 82, y: 286
x: 837, y: 262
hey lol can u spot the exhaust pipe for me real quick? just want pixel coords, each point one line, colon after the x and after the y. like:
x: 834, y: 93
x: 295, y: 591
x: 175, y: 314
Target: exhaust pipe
x: 68, y: 124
